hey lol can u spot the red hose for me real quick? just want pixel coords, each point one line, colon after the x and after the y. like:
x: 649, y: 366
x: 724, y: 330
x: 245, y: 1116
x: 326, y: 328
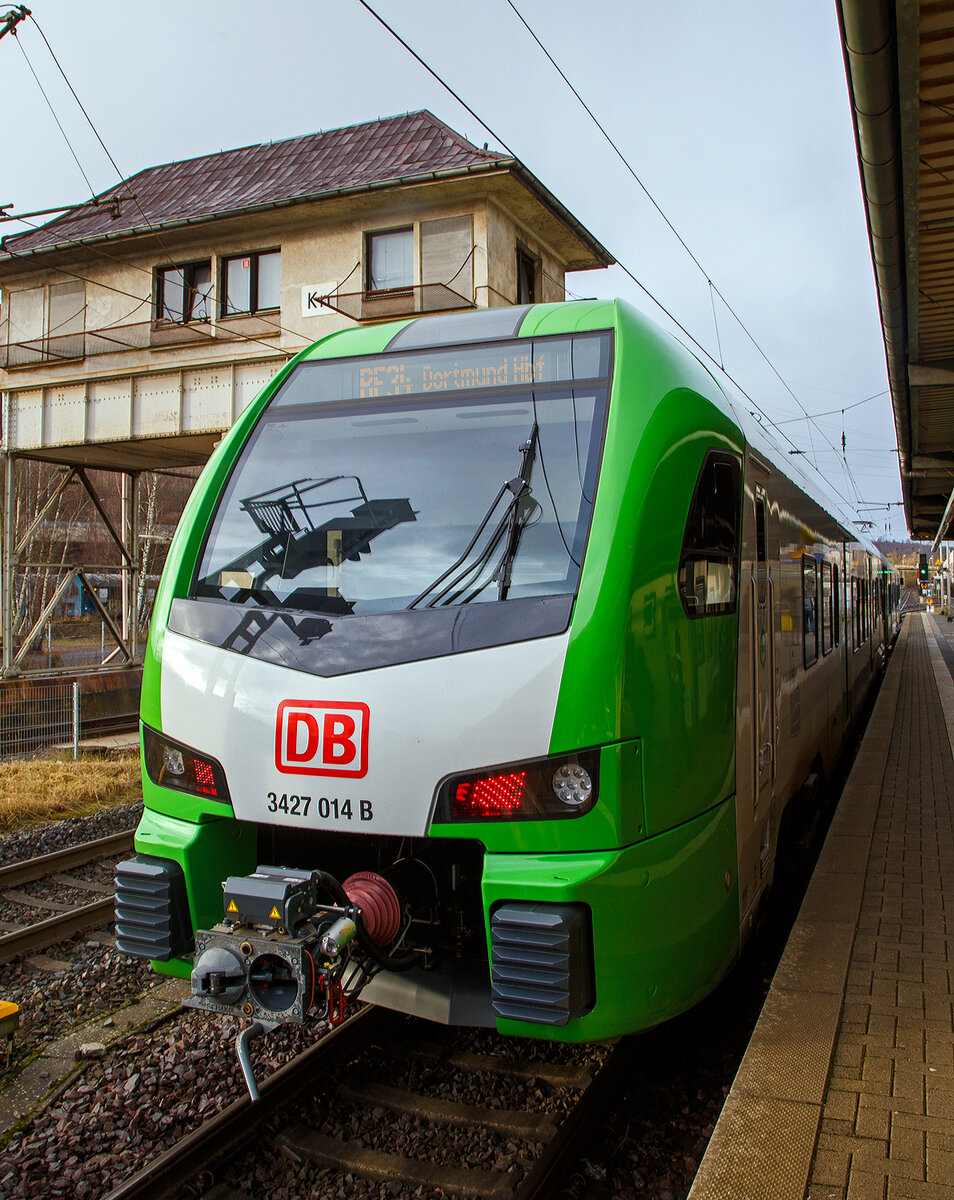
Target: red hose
x: 380, y: 907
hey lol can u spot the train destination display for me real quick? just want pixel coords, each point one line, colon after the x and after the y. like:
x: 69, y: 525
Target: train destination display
x: 515, y: 364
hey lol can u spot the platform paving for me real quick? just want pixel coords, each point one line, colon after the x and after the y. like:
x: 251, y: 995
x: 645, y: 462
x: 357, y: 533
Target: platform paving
x: 846, y: 1091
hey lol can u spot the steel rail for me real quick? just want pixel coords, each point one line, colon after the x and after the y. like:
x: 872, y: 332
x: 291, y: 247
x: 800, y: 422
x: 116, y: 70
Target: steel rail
x: 563, y: 1140
x: 54, y: 929
x: 573, y: 1133
x: 181, y: 1168
x: 169, y: 1174
x: 62, y: 860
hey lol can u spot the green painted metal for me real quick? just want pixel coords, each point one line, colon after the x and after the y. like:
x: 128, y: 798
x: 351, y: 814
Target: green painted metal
x: 664, y: 919
x: 208, y: 852
x: 637, y: 665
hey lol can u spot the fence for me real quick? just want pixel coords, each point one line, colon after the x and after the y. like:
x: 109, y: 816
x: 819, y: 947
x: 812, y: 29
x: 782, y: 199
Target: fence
x: 39, y: 716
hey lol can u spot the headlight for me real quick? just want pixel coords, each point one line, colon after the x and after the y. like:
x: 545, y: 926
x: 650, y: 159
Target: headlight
x: 546, y: 789
x: 171, y: 764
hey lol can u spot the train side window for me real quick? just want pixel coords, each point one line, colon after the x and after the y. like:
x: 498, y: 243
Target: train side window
x: 872, y: 607
x: 760, y: 555
x: 826, y: 609
x: 708, y: 564
x: 809, y: 609
x: 855, y: 612
x: 835, y: 607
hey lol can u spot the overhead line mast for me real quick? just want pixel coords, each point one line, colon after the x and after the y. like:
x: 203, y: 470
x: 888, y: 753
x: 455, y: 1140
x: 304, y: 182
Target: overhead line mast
x: 12, y: 18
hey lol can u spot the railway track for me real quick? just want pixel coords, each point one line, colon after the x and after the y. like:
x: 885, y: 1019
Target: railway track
x: 67, y: 918
x: 125, y: 722
x: 286, y: 1126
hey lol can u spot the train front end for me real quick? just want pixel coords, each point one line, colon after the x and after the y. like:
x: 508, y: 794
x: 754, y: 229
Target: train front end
x: 386, y: 751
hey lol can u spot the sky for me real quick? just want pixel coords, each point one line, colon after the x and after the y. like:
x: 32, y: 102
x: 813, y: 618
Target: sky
x: 734, y: 115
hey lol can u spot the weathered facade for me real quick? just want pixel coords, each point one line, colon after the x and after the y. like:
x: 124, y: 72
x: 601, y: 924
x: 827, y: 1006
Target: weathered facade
x: 135, y: 328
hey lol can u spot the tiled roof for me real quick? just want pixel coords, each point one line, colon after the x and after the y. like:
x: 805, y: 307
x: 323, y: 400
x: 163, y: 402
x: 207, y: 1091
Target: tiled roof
x: 316, y: 164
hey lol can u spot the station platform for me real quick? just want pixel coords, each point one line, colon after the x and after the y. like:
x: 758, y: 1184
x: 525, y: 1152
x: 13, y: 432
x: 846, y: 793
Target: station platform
x: 846, y: 1091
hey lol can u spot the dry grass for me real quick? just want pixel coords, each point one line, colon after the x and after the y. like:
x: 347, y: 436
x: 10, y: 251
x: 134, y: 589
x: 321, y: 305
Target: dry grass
x: 49, y: 790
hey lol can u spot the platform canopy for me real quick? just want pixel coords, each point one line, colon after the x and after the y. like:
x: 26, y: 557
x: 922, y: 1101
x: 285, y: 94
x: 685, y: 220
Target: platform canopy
x: 899, y: 56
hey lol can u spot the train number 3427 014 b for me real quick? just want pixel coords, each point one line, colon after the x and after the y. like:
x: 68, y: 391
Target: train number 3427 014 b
x: 325, y: 807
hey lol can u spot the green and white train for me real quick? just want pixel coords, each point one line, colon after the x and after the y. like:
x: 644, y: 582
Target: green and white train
x: 488, y: 653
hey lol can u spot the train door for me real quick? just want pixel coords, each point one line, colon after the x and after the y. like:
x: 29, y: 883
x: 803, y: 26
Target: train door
x: 757, y: 692
x: 763, y: 658
x: 844, y: 629
x: 870, y: 612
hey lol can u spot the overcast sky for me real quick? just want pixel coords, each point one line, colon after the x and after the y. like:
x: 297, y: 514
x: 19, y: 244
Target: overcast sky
x: 734, y: 114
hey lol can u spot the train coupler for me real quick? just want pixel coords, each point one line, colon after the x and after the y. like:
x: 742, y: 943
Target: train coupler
x: 280, y: 954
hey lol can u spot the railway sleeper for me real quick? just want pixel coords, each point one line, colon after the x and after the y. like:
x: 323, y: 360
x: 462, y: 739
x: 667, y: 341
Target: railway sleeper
x: 300, y: 1143
x: 538, y: 1127
x: 555, y: 1074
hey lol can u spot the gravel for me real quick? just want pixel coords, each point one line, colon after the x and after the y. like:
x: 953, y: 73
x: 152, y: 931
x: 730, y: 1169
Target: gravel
x: 277, y: 1175
x: 126, y: 1108
x: 95, y: 979
x: 150, y: 1089
x: 57, y: 835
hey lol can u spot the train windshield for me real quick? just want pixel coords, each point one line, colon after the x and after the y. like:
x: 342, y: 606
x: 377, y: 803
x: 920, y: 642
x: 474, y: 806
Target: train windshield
x: 429, y: 479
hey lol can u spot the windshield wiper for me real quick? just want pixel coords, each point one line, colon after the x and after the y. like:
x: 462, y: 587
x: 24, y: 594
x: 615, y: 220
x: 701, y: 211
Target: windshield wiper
x: 462, y: 577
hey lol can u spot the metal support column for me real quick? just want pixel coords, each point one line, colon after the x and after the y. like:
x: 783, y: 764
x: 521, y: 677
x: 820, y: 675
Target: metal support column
x: 129, y: 530
x: 8, y: 562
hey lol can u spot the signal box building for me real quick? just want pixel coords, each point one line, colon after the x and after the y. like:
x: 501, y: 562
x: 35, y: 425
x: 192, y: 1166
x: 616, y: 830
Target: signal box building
x: 135, y: 328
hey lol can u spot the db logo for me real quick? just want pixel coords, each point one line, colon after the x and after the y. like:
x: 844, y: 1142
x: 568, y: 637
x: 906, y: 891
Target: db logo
x: 314, y: 737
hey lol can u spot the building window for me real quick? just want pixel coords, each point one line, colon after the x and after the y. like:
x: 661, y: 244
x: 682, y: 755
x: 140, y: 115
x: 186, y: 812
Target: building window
x: 389, y: 260
x: 184, y: 292
x: 710, y: 547
x: 526, y: 277
x: 251, y: 282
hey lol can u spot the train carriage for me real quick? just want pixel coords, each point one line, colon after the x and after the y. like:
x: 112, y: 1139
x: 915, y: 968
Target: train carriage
x: 488, y: 654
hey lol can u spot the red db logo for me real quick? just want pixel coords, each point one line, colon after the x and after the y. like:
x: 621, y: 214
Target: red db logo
x: 314, y: 737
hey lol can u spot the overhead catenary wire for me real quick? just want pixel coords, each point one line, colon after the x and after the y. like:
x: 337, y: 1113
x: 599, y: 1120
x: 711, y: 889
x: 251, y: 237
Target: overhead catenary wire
x: 713, y: 287
x: 430, y: 70
x: 141, y: 301
x: 155, y: 232
x: 835, y: 411
x: 59, y: 126
x: 695, y: 342
x: 76, y: 98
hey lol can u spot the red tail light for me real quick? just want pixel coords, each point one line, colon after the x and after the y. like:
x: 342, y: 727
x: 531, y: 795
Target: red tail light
x: 563, y: 786
x: 204, y: 778
x: 490, y: 797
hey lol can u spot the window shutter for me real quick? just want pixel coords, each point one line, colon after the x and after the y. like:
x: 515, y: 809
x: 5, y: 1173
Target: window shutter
x: 26, y: 314
x: 446, y: 257
x: 67, y: 308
